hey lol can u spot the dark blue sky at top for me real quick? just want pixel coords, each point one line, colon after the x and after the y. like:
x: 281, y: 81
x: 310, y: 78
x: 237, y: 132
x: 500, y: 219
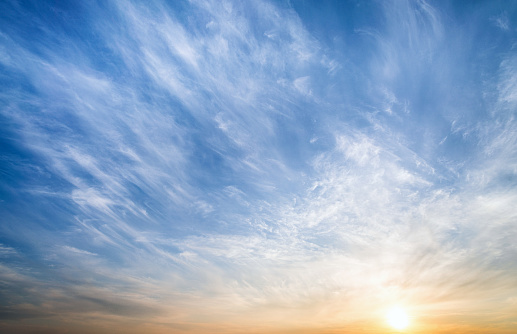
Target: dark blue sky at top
x: 67, y: 30
x: 223, y: 139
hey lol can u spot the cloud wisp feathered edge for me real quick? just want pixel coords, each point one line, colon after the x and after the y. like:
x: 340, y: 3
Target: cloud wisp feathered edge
x: 187, y: 205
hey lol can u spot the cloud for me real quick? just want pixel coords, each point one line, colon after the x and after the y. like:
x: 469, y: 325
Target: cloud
x: 501, y: 21
x: 78, y: 251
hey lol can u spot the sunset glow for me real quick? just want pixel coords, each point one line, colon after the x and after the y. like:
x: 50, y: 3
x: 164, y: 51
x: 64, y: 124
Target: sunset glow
x: 397, y: 318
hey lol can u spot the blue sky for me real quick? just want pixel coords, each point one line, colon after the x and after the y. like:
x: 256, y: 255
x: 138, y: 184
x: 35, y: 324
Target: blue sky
x: 259, y: 166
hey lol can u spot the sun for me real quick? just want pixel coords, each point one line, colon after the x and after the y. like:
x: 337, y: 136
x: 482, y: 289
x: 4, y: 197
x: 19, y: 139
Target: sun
x: 397, y: 318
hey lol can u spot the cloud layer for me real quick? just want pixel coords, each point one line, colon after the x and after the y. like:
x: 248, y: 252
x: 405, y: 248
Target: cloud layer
x: 266, y: 167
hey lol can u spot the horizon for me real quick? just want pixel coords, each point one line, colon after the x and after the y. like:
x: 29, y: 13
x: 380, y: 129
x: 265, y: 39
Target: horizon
x: 274, y: 167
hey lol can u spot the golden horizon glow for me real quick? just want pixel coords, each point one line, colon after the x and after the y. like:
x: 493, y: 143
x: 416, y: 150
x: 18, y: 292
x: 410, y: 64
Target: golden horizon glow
x: 397, y: 318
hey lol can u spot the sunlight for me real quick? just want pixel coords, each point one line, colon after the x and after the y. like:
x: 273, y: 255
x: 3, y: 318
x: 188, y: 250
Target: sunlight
x: 397, y: 318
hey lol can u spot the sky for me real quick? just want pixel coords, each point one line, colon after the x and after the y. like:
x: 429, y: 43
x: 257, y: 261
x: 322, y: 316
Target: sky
x: 287, y: 166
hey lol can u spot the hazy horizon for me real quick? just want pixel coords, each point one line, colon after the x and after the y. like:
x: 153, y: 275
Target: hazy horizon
x: 287, y: 166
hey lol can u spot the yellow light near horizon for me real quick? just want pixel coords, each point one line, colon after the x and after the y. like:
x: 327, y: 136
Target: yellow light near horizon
x: 397, y: 318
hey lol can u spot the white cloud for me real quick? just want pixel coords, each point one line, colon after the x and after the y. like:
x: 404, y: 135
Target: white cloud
x: 501, y: 21
x: 302, y: 84
x: 77, y: 251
